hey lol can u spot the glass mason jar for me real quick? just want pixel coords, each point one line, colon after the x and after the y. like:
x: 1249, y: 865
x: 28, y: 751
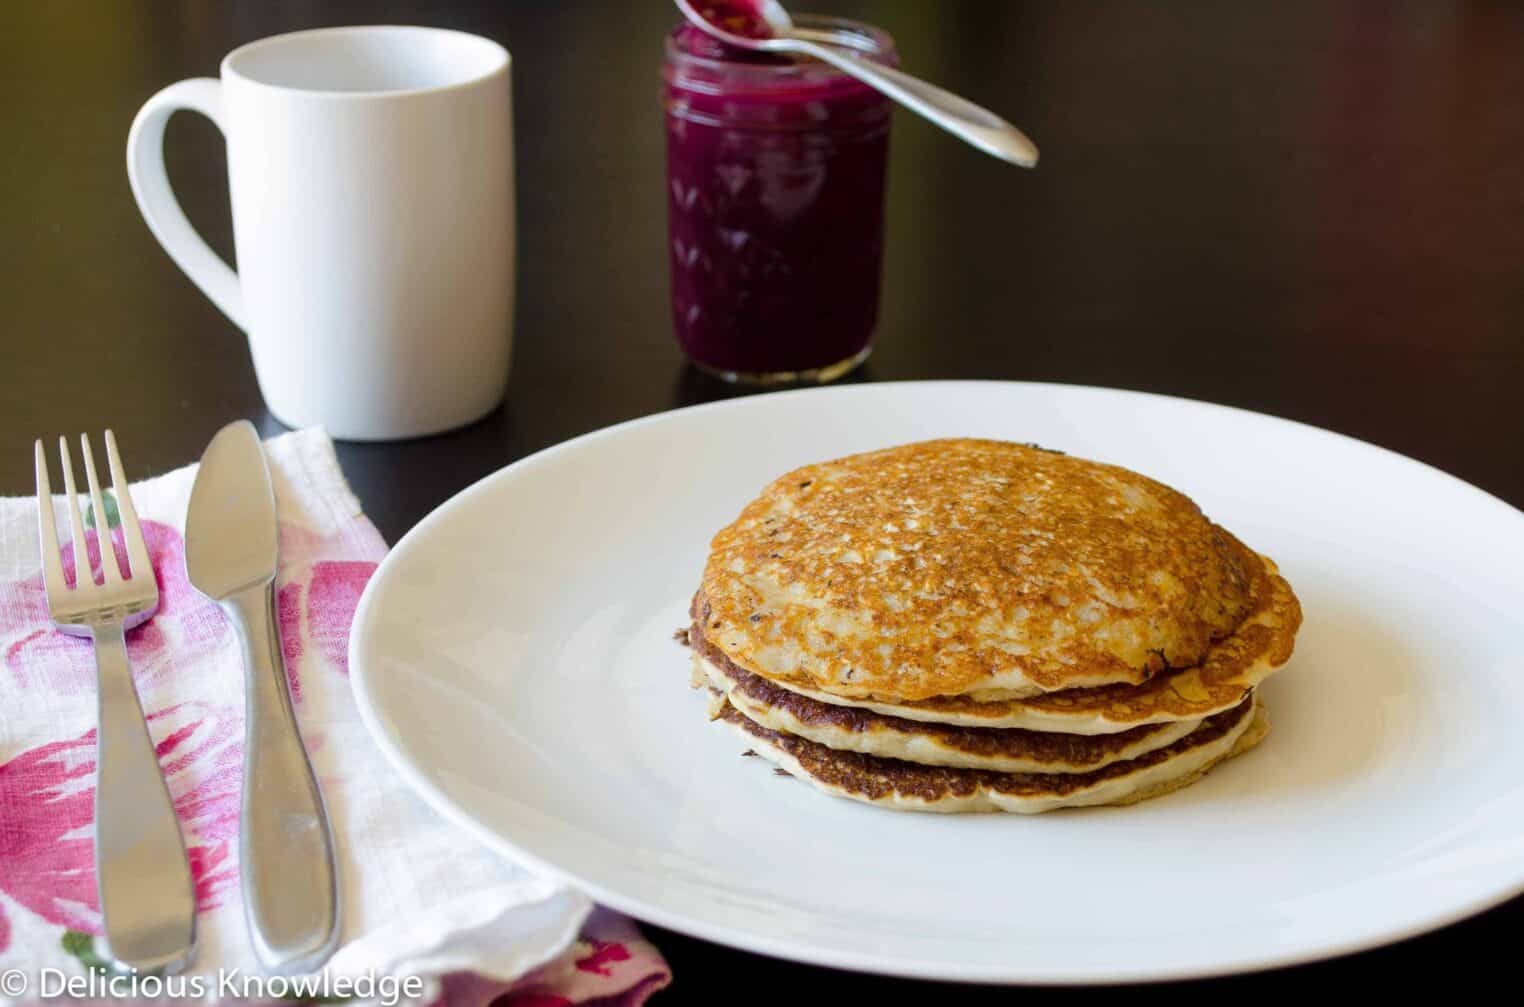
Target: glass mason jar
x: 775, y: 186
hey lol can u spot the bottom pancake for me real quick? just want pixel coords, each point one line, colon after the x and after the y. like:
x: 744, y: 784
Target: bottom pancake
x: 907, y: 786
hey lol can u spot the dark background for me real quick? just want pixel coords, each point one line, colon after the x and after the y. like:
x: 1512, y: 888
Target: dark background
x: 1311, y: 209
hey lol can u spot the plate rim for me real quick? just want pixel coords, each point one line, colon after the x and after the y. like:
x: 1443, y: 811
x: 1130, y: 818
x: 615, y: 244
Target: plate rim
x: 374, y: 722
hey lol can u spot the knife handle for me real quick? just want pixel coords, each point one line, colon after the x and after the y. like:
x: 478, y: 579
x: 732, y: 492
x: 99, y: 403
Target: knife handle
x: 290, y: 885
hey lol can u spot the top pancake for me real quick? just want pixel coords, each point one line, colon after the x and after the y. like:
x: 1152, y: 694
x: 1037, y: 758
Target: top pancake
x: 1232, y: 667
x: 973, y: 568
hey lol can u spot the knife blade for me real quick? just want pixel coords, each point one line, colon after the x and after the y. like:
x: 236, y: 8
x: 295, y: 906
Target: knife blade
x: 289, y: 880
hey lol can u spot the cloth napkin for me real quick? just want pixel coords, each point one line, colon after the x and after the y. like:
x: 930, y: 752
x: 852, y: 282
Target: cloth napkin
x: 420, y: 898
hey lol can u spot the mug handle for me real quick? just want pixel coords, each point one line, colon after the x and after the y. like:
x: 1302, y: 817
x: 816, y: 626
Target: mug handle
x: 156, y: 200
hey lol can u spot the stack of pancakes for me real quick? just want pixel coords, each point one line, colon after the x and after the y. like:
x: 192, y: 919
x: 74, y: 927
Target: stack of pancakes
x: 975, y: 625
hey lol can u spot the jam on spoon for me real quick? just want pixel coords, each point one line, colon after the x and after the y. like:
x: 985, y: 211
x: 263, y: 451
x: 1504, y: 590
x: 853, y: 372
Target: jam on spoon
x: 739, y: 17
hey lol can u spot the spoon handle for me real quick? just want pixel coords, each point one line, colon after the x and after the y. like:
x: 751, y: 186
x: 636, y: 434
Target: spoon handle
x: 959, y: 116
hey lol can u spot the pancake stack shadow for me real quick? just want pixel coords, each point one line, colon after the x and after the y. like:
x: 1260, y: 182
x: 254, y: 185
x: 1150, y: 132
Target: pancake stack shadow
x: 975, y: 625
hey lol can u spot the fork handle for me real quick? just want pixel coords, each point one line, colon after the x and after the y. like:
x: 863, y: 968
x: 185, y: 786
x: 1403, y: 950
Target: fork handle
x: 147, y: 897
x: 290, y: 888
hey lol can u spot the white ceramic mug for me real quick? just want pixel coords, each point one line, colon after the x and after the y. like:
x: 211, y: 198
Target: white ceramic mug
x: 371, y: 173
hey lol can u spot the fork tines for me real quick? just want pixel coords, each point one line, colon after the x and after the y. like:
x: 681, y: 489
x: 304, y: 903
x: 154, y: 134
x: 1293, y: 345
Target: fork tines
x: 132, y: 535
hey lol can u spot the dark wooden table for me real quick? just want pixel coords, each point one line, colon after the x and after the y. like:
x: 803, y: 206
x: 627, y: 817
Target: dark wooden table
x: 1311, y: 209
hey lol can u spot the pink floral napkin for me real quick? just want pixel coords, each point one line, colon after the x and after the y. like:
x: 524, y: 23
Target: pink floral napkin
x: 419, y: 896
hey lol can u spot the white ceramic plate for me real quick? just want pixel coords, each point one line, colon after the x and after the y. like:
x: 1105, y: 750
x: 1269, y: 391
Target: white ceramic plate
x: 514, y: 658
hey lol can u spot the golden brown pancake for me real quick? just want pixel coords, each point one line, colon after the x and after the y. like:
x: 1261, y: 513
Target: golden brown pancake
x: 906, y: 786
x: 1005, y: 750
x: 1260, y: 646
x: 971, y: 568
x: 1232, y: 667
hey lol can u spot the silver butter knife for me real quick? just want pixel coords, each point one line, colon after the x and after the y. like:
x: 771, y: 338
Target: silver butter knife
x: 290, y: 885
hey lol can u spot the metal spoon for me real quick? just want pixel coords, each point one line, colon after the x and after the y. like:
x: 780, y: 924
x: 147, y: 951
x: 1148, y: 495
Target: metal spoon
x: 959, y: 116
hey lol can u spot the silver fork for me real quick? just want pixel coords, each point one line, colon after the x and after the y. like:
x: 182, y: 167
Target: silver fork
x: 147, y: 897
